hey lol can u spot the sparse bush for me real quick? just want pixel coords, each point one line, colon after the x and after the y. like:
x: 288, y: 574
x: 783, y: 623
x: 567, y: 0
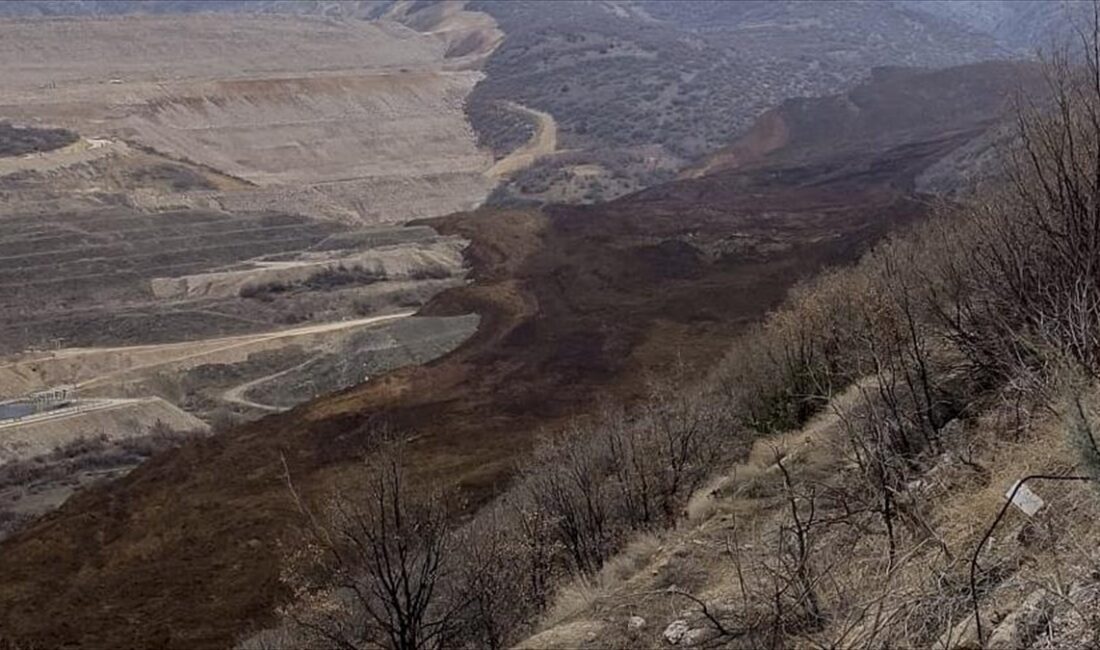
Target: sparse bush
x: 1082, y: 437
x: 18, y: 141
x: 340, y: 276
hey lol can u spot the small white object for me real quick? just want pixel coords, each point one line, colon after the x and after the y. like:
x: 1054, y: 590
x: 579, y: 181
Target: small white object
x: 1026, y: 500
x: 676, y: 631
x: 635, y: 623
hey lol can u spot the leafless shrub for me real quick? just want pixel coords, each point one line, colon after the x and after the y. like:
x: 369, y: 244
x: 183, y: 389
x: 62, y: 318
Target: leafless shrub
x: 495, y: 578
x: 383, y: 555
x: 566, y: 482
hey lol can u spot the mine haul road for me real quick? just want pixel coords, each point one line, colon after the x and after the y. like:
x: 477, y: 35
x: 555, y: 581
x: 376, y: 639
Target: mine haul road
x: 542, y: 143
x: 223, y: 344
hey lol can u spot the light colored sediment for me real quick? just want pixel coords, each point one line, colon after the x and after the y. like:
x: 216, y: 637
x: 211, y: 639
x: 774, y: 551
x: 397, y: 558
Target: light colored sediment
x: 114, y: 418
x: 348, y: 120
x: 102, y: 368
x: 543, y: 142
x: 389, y: 262
x: 82, y: 151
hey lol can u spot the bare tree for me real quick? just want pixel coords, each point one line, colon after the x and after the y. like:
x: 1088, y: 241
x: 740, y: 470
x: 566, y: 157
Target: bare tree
x: 567, y: 484
x: 384, y: 555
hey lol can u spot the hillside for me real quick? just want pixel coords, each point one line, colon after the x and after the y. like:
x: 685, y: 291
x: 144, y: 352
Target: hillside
x: 1022, y: 25
x: 636, y: 90
x: 577, y: 305
x: 897, y: 106
x: 907, y: 446
x: 190, y: 198
x: 639, y: 90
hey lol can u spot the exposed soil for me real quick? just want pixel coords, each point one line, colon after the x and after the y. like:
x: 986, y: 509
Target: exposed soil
x: 287, y: 103
x: 576, y: 303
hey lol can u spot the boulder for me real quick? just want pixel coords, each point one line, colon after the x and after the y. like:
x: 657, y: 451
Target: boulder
x: 676, y: 631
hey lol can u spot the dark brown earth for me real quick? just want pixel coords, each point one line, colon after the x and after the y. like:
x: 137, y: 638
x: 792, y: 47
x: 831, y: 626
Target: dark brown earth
x: 578, y: 304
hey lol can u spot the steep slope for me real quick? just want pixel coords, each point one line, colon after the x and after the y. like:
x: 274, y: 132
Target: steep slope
x: 723, y: 554
x: 896, y: 106
x: 1022, y: 25
x: 577, y: 304
x: 639, y: 89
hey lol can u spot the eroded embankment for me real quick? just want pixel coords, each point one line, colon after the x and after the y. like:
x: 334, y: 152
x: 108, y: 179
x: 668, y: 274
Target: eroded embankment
x: 293, y: 115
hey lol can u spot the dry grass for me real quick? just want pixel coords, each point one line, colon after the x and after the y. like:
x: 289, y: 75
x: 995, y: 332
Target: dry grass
x: 923, y: 595
x: 586, y: 591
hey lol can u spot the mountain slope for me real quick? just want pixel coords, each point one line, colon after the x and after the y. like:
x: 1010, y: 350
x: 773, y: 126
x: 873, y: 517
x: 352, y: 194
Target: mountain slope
x: 578, y: 304
x: 640, y: 89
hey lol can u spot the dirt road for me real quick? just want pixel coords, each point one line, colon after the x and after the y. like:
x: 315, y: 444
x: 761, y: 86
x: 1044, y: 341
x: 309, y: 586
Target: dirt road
x: 98, y: 367
x: 545, y: 141
x: 184, y: 350
x: 83, y: 406
x: 236, y: 395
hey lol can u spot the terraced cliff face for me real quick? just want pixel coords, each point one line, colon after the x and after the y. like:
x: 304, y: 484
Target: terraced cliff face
x: 350, y: 120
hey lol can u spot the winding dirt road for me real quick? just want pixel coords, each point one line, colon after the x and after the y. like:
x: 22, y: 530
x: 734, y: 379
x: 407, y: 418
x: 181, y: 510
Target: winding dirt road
x: 236, y: 395
x: 545, y: 141
x: 94, y: 367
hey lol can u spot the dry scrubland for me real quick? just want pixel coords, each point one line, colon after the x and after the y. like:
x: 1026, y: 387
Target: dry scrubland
x: 640, y: 90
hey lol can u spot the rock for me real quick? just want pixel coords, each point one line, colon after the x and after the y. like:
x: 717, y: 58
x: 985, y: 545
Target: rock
x: 962, y: 636
x: 676, y: 631
x: 1022, y: 626
x: 696, y: 636
x: 635, y: 623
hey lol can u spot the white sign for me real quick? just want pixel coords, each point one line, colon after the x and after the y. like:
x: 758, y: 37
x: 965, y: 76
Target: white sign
x: 1026, y: 500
